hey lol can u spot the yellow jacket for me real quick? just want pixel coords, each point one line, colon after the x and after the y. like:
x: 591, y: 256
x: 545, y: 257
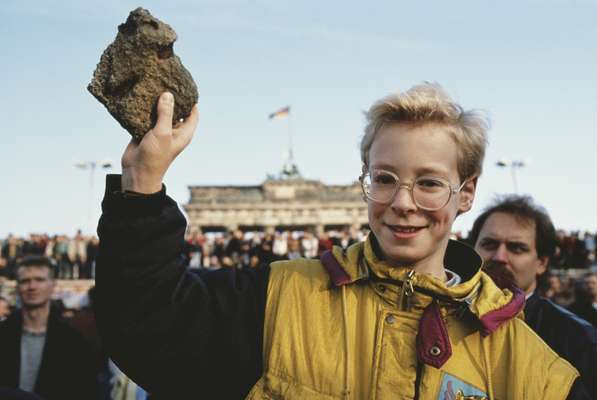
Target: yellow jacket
x: 352, y: 327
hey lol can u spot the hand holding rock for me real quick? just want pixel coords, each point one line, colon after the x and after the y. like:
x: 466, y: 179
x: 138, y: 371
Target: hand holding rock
x: 145, y: 161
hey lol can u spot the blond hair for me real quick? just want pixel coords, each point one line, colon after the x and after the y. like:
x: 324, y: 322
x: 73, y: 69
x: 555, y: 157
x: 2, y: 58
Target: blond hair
x: 429, y: 103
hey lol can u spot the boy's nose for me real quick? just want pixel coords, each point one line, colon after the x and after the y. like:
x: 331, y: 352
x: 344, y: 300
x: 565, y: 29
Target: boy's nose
x: 403, y: 200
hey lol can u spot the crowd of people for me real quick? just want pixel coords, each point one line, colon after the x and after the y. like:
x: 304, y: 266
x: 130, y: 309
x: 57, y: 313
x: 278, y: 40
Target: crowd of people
x: 251, y: 249
x: 74, y: 256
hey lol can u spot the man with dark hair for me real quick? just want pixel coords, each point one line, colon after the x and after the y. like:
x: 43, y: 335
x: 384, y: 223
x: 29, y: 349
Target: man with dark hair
x: 40, y: 352
x: 517, y: 237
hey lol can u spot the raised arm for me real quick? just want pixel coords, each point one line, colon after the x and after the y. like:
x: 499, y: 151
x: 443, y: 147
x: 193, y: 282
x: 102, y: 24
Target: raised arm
x: 174, y: 332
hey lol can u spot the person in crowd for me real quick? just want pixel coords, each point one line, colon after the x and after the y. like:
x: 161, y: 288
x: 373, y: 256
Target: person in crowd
x: 245, y: 253
x: 35, y: 245
x: 294, y: 249
x: 309, y: 245
x: 227, y: 262
x: 214, y: 263
x: 77, y: 255
x: 40, y: 352
x: 580, y: 257
x: 265, y: 249
x: 281, y: 244
x: 61, y: 247
x: 550, y: 286
x: 404, y: 314
x: 586, y: 300
x: 92, y: 247
x: 324, y: 244
x: 4, y: 308
x: 345, y: 239
x: 517, y: 235
x: 590, y: 246
x: 11, y: 252
x: 553, y: 287
x: 254, y: 262
x: 195, y: 249
x: 233, y: 247
x: 219, y: 247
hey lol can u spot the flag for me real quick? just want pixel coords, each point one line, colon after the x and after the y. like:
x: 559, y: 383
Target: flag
x: 281, y: 113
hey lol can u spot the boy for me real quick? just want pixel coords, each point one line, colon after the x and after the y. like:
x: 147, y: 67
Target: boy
x: 404, y: 315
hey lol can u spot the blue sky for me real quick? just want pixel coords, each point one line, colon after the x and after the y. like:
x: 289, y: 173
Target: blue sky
x: 530, y: 64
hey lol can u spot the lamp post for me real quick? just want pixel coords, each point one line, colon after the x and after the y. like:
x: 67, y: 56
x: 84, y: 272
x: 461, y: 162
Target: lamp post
x: 91, y: 166
x: 514, y: 165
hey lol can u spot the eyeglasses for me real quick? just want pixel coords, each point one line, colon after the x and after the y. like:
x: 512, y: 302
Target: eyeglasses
x: 427, y: 192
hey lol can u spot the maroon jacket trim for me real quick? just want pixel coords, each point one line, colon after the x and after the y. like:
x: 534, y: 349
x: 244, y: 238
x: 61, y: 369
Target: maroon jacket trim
x: 433, y: 341
x: 494, y: 319
x: 334, y: 269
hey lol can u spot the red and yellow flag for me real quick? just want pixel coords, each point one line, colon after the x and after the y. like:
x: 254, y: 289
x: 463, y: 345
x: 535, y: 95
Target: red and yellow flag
x: 281, y: 113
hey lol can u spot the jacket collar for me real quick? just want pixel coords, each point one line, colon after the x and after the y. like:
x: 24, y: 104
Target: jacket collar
x: 477, y: 292
x: 355, y: 263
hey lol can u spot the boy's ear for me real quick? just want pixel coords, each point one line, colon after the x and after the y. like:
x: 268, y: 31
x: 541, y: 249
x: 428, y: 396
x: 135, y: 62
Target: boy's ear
x: 467, y: 195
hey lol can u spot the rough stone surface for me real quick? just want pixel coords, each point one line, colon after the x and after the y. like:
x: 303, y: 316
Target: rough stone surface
x: 136, y: 68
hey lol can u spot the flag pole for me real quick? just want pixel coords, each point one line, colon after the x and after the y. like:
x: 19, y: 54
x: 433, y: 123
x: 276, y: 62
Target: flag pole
x: 290, y: 153
x: 289, y: 166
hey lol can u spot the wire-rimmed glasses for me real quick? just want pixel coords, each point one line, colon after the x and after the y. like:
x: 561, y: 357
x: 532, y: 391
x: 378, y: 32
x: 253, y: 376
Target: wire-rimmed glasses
x: 427, y: 192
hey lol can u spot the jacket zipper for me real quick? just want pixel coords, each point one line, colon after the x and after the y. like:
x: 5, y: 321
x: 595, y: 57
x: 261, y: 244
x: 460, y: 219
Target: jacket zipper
x: 407, y: 290
x: 412, y: 288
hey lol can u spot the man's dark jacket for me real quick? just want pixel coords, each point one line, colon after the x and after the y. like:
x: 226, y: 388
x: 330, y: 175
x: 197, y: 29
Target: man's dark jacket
x: 67, y: 369
x: 568, y: 335
x: 585, y: 310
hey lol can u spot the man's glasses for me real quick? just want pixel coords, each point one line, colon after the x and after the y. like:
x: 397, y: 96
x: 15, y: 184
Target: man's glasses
x: 428, y: 192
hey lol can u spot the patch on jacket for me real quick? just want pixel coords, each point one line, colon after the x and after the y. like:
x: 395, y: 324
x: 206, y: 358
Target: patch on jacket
x: 453, y: 388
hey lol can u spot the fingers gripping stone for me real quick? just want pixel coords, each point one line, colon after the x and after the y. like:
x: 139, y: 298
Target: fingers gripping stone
x: 136, y: 68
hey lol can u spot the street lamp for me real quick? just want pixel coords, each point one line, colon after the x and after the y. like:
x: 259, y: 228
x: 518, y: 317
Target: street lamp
x: 91, y: 166
x: 514, y: 164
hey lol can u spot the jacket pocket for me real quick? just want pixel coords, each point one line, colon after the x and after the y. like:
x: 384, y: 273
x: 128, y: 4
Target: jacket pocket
x: 275, y: 387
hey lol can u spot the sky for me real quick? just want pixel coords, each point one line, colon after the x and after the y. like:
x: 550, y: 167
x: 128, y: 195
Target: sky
x: 529, y: 64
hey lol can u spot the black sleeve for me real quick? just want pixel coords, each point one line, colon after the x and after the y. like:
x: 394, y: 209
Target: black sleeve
x: 17, y: 394
x: 176, y: 333
x: 82, y: 366
x: 578, y: 391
